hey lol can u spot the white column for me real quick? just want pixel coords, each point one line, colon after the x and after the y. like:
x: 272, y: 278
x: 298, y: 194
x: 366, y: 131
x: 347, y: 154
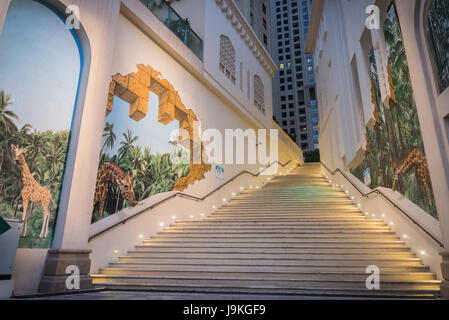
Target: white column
x: 4, y: 4
x: 70, y: 244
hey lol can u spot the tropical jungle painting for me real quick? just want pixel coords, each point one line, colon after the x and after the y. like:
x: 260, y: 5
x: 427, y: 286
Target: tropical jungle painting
x: 438, y: 30
x: 138, y: 159
x: 396, y: 155
x: 39, y: 73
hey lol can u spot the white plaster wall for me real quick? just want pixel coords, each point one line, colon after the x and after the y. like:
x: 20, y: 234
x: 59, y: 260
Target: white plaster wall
x: 28, y: 270
x: 338, y: 146
x: 216, y: 25
x: 213, y: 113
x: 217, y: 106
x: 377, y: 207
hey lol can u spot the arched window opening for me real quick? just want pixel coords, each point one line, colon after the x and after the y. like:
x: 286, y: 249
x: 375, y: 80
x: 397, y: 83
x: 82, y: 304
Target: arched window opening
x: 259, y: 94
x: 227, y: 58
x: 438, y: 33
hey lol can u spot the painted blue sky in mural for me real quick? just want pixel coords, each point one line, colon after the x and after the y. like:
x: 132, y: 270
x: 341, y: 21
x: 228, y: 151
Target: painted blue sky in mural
x: 37, y: 51
x: 151, y: 133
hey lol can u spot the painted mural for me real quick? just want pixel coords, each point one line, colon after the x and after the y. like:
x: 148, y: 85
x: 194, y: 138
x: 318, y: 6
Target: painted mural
x: 395, y: 155
x: 40, y: 67
x: 143, y: 152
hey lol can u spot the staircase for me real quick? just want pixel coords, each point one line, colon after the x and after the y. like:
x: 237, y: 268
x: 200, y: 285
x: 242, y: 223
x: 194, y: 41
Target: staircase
x: 297, y: 235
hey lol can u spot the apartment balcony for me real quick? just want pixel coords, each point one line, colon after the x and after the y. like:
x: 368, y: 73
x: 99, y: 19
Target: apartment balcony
x: 179, y: 26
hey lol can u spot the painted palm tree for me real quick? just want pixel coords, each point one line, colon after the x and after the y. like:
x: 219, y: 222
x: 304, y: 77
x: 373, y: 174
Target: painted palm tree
x: 108, y: 137
x: 127, y: 144
x: 438, y: 30
x: 55, y: 153
x: 7, y: 117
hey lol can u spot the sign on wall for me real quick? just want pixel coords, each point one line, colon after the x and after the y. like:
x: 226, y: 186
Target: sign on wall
x: 367, y: 177
x: 219, y: 172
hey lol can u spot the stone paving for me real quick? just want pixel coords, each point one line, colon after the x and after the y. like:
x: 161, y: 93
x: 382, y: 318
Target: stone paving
x: 156, y: 295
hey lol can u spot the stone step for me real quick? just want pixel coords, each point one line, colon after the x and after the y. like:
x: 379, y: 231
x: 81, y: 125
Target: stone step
x: 256, y: 228
x: 401, y: 294
x: 242, y: 254
x: 270, y: 284
x: 233, y: 233
x: 266, y: 275
x: 246, y: 239
x: 311, y: 261
x: 269, y: 219
x: 286, y: 249
x: 280, y: 237
x: 243, y: 244
x: 218, y: 223
x: 280, y: 210
x: 217, y: 266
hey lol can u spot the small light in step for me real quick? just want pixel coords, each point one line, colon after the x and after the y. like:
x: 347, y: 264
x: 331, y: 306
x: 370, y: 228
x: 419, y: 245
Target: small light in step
x: 359, y: 205
x: 162, y: 224
x: 251, y: 187
x: 233, y: 194
x: 241, y: 188
x: 116, y: 251
x: 383, y: 215
x: 191, y: 217
x: 141, y: 236
x: 373, y: 215
x: 346, y: 191
x: 214, y: 207
x: 257, y: 187
x: 405, y: 236
x: 202, y: 214
x: 367, y: 213
x: 224, y: 200
x: 174, y: 217
x: 391, y: 223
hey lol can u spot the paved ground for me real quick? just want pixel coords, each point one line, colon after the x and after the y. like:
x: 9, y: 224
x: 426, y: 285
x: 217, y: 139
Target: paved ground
x: 135, y: 295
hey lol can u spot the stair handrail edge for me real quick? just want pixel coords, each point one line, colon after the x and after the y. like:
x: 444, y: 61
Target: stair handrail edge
x: 190, y: 197
x: 393, y: 203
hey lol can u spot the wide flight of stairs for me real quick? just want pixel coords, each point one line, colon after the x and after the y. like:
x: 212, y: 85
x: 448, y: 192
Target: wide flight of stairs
x: 296, y: 235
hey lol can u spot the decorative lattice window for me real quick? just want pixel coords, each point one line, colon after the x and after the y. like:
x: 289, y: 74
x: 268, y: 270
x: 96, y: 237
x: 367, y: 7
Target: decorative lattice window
x: 438, y: 32
x: 259, y: 94
x: 227, y: 58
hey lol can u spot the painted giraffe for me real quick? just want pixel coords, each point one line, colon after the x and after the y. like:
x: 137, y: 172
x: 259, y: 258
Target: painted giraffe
x: 32, y: 192
x: 110, y: 172
x: 416, y: 160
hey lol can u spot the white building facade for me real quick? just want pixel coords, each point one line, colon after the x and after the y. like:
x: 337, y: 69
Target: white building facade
x: 212, y: 70
x: 382, y: 83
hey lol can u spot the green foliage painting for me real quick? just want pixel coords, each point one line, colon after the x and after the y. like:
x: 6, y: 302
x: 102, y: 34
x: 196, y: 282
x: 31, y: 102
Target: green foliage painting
x: 147, y: 151
x: 398, y: 131
x: 46, y: 154
x: 40, y: 67
x: 438, y: 31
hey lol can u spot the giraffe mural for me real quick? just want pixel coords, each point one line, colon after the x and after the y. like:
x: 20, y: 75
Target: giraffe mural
x: 147, y: 105
x: 396, y: 156
x: 32, y: 192
x: 110, y: 172
x: 415, y: 160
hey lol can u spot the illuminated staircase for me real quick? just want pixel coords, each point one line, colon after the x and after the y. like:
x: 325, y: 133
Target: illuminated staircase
x: 297, y: 235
